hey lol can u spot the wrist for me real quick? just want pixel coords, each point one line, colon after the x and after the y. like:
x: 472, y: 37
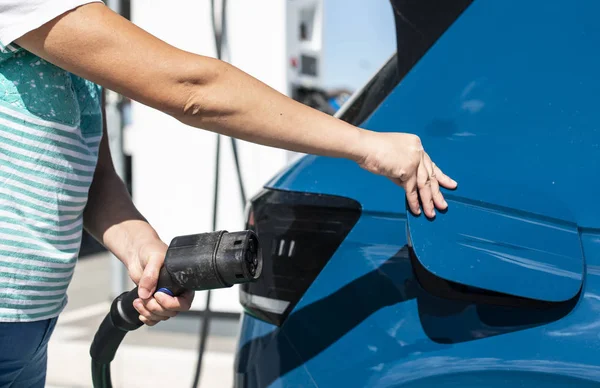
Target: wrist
x: 128, y: 239
x: 358, y: 146
x: 144, y: 258
x: 145, y: 245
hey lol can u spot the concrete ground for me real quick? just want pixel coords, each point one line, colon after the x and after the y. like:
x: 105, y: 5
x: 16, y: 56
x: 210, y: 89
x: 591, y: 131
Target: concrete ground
x: 160, y: 356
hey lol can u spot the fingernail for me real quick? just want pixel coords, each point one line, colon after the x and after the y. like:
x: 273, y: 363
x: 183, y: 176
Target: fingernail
x: 143, y: 293
x: 445, y: 203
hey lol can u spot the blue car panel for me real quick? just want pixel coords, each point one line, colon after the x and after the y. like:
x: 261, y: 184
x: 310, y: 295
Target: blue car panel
x: 505, y: 103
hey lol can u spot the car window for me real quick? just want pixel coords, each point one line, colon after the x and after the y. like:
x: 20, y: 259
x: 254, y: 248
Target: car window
x: 419, y: 24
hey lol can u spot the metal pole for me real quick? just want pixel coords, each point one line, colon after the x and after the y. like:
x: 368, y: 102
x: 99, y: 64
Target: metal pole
x: 115, y: 5
x: 114, y: 127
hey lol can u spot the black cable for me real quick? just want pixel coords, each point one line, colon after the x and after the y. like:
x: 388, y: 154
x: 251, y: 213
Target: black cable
x: 101, y: 375
x: 239, y: 171
x: 216, y: 188
x: 221, y: 43
x: 203, y: 337
x: 206, y: 316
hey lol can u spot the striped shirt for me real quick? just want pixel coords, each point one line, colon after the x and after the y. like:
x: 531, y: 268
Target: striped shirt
x: 50, y: 130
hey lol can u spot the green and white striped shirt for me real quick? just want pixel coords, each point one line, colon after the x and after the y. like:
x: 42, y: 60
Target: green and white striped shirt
x: 50, y: 130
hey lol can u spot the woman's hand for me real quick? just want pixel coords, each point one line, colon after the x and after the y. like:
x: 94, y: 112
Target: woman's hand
x: 401, y: 157
x: 144, y: 267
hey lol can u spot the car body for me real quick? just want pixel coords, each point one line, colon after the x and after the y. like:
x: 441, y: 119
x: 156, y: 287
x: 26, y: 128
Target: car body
x: 503, y: 289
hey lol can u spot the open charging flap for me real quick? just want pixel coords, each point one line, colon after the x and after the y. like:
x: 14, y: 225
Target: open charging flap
x: 501, y: 251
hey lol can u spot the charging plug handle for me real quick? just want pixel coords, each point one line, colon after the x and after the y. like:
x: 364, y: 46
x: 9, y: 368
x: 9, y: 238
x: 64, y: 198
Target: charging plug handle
x: 196, y: 262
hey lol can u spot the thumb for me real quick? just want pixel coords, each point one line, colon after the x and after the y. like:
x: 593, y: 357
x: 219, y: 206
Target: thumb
x: 149, y: 279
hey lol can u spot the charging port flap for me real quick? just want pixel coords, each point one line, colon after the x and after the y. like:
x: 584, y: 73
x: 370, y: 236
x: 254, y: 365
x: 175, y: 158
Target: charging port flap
x: 500, y: 250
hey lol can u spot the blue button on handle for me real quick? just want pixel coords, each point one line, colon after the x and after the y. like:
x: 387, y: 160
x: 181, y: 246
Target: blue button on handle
x: 166, y: 291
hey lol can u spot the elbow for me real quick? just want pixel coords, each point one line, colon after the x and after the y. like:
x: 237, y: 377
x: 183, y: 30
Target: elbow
x: 199, y: 93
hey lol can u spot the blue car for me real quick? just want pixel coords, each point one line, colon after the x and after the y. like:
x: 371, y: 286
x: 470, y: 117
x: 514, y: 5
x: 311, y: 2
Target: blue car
x: 502, y: 289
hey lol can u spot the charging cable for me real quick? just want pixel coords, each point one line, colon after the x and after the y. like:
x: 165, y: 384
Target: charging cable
x: 219, y: 37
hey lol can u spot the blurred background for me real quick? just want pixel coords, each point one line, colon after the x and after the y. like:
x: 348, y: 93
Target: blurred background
x: 318, y: 52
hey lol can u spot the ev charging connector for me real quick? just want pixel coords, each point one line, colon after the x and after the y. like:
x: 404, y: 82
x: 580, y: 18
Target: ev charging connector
x: 196, y: 262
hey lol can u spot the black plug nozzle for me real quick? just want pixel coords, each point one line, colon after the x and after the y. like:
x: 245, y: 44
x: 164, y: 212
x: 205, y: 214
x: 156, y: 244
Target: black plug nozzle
x: 194, y: 262
x: 213, y: 260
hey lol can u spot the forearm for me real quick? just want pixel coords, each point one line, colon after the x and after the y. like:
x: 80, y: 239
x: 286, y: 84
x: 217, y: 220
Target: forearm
x: 111, y: 217
x: 235, y: 104
x: 203, y: 92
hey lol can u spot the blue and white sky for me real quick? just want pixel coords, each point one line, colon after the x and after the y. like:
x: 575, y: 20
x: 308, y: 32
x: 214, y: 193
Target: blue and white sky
x: 359, y: 38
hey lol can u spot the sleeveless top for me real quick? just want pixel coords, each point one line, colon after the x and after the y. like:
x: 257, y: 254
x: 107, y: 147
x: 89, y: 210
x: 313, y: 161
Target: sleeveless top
x: 50, y: 131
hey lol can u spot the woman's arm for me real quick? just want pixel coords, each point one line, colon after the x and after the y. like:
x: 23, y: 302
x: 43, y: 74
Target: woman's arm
x: 94, y: 42
x: 97, y: 44
x: 111, y: 217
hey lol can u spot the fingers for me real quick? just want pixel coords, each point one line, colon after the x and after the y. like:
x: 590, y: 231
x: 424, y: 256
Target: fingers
x: 151, y: 312
x: 177, y: 303
x: 424, y: 185
x: 162, y: 307
x: 408, y: 165
x: 149, y: 278
x: 443, y: 179
x: 438, y: 198
x: 412, y: 195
